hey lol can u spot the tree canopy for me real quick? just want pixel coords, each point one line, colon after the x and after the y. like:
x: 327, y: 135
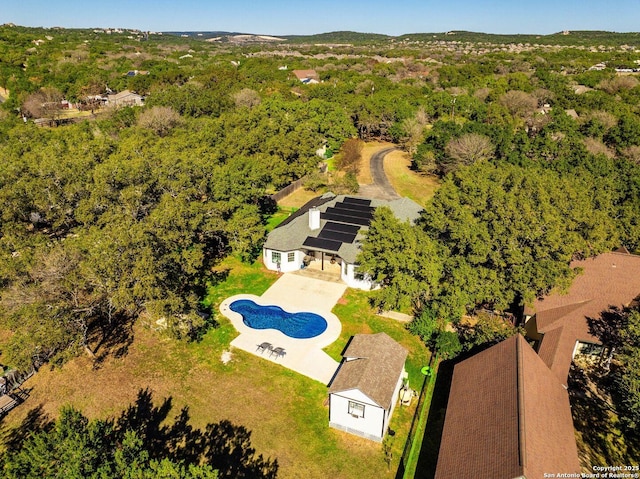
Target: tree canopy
x: 495, y: 235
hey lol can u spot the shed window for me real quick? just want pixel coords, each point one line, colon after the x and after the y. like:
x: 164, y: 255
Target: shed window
x: 356, y: 409
x: 291, y: 257
x: 275, y: 257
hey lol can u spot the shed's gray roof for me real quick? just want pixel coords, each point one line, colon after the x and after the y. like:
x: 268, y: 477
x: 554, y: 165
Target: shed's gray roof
x: 291, y: 233
x: 373, y: 364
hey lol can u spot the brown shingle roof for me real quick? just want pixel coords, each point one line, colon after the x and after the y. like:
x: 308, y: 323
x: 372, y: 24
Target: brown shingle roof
x: 508, y: 416
x: 373, y: 364
x: 303, y: 74
x: 611, y: 279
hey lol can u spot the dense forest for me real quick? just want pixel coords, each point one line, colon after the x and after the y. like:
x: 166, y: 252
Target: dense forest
x: 124, y: 213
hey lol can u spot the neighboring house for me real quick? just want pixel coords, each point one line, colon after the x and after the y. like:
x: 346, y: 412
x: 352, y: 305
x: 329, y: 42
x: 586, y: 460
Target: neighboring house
x: 559, y: 323
x: 133, y: 73
x: 508, y: 417
x: 125, y: 98
x: 326, y: 234
x: 365, y: 390
x: 307, y: 76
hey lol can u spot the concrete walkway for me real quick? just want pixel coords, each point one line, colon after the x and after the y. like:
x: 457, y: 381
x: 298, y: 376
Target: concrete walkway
x: 293, y: 293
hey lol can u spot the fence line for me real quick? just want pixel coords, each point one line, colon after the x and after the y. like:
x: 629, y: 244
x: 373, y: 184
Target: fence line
x: 287, y: 190
x: 408, y: 451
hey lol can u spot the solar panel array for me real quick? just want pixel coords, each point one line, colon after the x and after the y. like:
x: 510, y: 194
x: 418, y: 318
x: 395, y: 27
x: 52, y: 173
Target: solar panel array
x: 343, y: 221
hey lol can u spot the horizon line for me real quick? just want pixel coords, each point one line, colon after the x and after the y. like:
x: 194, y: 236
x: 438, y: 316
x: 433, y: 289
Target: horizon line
x: 444, y: 32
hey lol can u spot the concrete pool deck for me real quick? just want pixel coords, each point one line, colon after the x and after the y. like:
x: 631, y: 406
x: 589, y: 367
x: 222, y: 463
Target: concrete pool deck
x: 294, y: 294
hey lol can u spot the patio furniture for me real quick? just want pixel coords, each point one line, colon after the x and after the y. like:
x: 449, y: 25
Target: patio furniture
x: 262, y: 347
x: 279, y: 352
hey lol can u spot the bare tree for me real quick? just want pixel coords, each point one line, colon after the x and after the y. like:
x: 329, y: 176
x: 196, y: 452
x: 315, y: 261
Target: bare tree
x: 597, y: 147
x: 160, y: 119
x: 414, y: 130
x: 607, y: 119
x: 617, y: 84
x: 350, y: 156
x: 543, y: 96
x: 247, y: 98
x: 45, y: 103
x: 632, y: 153
x: 466, y: 150
x: 519, y: 103
x: 482, y: 93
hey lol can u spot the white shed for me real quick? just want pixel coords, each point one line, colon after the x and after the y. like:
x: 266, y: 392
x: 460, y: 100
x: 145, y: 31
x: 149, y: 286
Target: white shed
x: 364, y: 391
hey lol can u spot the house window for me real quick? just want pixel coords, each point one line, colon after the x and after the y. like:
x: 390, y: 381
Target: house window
x: 291, y: 257
x: 275, y: 257
x: 356, y: 409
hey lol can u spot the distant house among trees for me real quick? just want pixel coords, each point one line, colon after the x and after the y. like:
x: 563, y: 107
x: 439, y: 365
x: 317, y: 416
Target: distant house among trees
x: 125, y: 98
x: 365, y: 390
x: 307, y: 76
x: 133, y: 73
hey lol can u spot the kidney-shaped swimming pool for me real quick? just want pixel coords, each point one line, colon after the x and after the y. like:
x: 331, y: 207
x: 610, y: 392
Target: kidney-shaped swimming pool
x: 295, y: 325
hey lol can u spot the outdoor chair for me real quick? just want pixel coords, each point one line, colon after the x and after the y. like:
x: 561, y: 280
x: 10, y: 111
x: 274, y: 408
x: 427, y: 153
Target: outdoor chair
x: 262, y: 347
x: 279, y: 352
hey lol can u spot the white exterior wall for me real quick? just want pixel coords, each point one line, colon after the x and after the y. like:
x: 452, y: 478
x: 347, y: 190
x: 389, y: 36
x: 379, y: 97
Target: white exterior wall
x: 348, y: 275
x: 372, y: 425
x: 286, y: 266
x: 396, y: 397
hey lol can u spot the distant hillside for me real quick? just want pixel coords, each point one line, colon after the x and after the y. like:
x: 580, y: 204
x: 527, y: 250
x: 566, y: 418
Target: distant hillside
x: 578, y: 38
x: 560, y: 38
x: 585, y: 38
x: 339, y: 37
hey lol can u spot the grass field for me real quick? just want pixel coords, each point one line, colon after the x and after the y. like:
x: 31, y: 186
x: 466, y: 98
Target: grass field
x: 420, y: 188
x: 297, y: 198
x: 284, y: 410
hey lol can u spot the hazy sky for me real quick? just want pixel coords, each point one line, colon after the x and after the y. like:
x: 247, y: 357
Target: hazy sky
x: 282, y: 17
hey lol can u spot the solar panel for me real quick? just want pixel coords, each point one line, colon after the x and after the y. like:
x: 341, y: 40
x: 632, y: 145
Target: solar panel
x: 322, y: 243
x: 356, y: 201
x: 341, y: 227
x: 351, y: 212
x: 331, y: 216
x: 337, y: 236
x: 353, y: 206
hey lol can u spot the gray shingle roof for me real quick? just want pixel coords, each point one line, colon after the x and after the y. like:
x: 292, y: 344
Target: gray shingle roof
x: 291, y: 233
x: 373, y: 364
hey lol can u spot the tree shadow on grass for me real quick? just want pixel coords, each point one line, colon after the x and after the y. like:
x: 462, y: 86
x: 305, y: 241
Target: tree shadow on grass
x: 428, y: 458
x: 222, y: 445
x: 111, y: 338
x: 600, y: 440
x: 36, y: 420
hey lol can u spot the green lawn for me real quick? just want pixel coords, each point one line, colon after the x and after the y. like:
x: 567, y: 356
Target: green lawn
x: 357, y: 316
x: 285, y: 411
x: 279, y: 216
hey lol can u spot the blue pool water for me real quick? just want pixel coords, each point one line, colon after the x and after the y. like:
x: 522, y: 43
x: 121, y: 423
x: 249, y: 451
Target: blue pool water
x: 294, y: 325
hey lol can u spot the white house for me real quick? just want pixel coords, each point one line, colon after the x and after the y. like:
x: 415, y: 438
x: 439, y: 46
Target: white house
x: 325, y: 234
x: 365, y: 390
